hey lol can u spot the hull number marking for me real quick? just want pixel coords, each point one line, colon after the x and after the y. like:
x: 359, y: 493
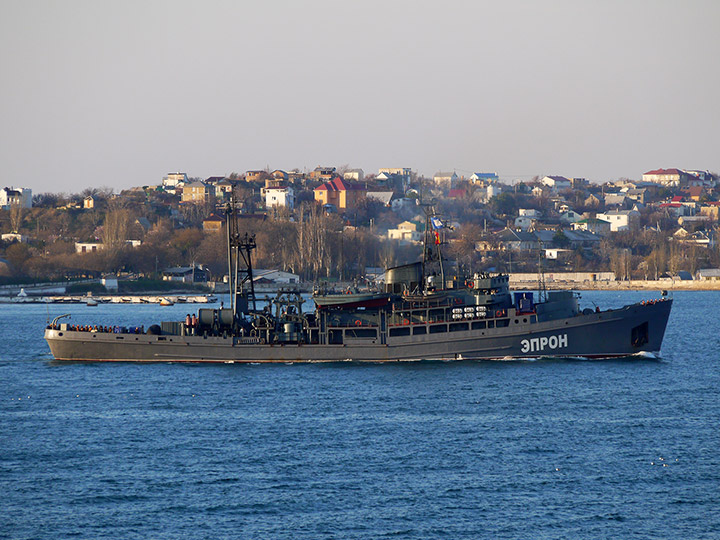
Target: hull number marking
x: 540, y: 344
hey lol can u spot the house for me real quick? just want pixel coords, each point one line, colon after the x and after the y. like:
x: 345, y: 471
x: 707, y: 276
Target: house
x: 403, y: 203
x: 594, y: 225
x: 712, y: 274
x: 279, y: 174
x: 592, y: 201
x: 174, y: 179
x: 186, y: 274
x: 14, y: 237
x: 383, y: 195
x: 344, y: 195
x: 407, y: 231
x: 700, y: 238
x: 274, y: 276
x: 677, y: 207
x: 88, y: 247
x: 140, y: 227
x: 710, y: 209
x: 484, y: 178
x: 198, y: 192
x: 576, y: 238
x: 531, y: 213
x: 540, y: 192
x: 401, y: 175
x: 511, y: 240
x: 694, y: 221
x: 10, y: 196
x: 214, y: 180
x: 323, y: 173
x: 445, y: 180
x: 558, y: 254
x: 556, y: 183
x: 700, y: 178
x: 570, y: 217
x: 635, y: 194
x: 524, y: 223
x: 665, y: 177
x: 615, y: 199
x: 386, y: 179
x: 457, y: 193
x: 280, y: 196
x: 255, y: 176
x: 213, y: 223
x: 223, y: 189
x: 620, y: 220
x: 354, y: 175
x: 89, y: 202
x: 694, y: 193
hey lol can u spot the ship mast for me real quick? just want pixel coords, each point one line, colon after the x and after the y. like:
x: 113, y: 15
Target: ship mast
x: 432, y: 238
x: 239, y: 246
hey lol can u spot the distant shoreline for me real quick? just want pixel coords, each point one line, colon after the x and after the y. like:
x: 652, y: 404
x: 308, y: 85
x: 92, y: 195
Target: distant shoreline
x: 631, y: 285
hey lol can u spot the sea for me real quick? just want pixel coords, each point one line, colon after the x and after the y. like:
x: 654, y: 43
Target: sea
x: 537, y: 449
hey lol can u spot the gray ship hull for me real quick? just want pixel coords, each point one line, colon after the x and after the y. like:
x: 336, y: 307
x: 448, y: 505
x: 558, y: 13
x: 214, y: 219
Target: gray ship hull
x: 634, y: 329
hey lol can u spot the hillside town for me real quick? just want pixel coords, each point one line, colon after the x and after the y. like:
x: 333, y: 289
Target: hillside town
x: 339, y: 223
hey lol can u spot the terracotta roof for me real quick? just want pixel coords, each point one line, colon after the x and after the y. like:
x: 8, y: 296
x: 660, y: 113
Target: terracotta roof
x: 664, y: 171
x: 338, y: 184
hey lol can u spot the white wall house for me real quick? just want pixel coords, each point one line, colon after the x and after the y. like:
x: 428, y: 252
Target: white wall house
x: 280, y: 196
x: 484, y: 178
x: 407, y: 231
x: 445, y: 180
x: 354, y: 175
x: 174, y: 178
x: 529, y: 212
x: 620, y: 220
x: 275, y: 276
x: 557, y: 183
x: 10, y: 196
x: 524, y: 222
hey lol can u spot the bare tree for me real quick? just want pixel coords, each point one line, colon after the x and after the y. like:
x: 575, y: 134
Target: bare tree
x: 115, y: 229
x: 16, y: 217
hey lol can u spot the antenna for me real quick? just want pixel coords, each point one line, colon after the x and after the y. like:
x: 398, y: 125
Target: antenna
x: 542, y: 290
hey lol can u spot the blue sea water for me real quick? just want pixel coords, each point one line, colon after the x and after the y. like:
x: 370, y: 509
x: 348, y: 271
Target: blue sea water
x: 522, y: 449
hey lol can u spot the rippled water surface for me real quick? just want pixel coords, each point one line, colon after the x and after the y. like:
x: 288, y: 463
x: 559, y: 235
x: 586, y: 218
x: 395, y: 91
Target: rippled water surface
x: 538, y: 449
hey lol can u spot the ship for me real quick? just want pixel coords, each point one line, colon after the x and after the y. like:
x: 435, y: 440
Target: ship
x: 423, y: 312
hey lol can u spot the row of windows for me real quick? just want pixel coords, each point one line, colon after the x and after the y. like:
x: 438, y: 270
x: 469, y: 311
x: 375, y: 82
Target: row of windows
x: 452, y: 327
x: 371, y: 333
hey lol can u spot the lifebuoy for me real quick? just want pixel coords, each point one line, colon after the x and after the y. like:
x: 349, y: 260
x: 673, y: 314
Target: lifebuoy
x: 499, y: 313
x: 358, y: 322
x: 469, y: 284
x: 405, y: 322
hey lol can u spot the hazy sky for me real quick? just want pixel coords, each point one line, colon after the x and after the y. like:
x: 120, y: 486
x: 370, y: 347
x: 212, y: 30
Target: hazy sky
x: 118, y: 94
